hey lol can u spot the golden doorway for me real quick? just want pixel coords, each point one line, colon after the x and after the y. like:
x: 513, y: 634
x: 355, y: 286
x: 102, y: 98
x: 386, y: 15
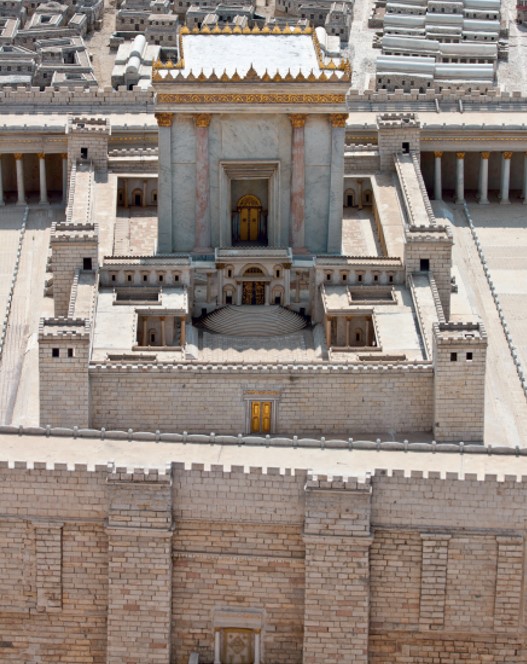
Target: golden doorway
x: 253, y: 292
x: 261, y: 413
x: 250, y: 211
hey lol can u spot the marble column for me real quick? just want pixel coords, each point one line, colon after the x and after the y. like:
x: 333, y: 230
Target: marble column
x: 359, y: 194
x: 297, y: 236
x: 165, y: 197
x: 336, y: 185
x: 217, y: 646
x: 163, y: 332
x: 287, y: 287
x: 460, y: 177
x: 438, y: 186
x: 524, y: 193
x: 484, y: 179
x: 64, y: 177
x: 144, y: 192
x: 2, y: 201
x: 505, y: 177
x: 182, y: 337
x: 42, y: 178
x: 20, y: 179
x: 202, y: 240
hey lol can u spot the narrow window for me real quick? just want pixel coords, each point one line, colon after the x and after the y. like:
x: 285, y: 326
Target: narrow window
x: 406, y: 146
x: 70, y: 352
x: 469, y: 357
x: 424, y: 264
x: 453, y: 357
x: 55, y: 352
x: 84, y: 153
x: 87, y: 264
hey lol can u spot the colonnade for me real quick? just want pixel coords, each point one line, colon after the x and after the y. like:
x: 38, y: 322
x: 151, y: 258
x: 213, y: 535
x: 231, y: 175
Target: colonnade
x: 20, y: 178
x: 483, y: 177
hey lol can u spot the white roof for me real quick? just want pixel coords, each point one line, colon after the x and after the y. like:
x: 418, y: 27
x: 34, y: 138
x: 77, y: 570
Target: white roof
x: 238, y: 52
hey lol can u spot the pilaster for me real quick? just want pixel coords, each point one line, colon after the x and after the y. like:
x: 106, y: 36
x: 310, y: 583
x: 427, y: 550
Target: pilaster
x: 202, y: 230
x: 338, y: 131
x: 165, y: 194
x: 297, y: 235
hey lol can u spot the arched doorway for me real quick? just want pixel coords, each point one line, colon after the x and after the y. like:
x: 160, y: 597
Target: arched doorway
x: 253, y: 290
x: 250, y: 226
x: 137, y: 198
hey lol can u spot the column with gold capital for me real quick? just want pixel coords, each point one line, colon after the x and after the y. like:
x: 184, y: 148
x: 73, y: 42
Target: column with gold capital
x: 19, y: 159
x: 165, y: 184
x: 460, y: 177
x: 2, y: 201
x: 42, y: 178
x: 296, y: 231
x: 202, y: 241
x: 336, y: 182
x: 483, y: 196
x: 505, y: 178
x: 438, y: 186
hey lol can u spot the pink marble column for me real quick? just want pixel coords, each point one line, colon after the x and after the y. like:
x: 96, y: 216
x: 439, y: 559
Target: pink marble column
x: 297, y: 182
x: 203, y: 240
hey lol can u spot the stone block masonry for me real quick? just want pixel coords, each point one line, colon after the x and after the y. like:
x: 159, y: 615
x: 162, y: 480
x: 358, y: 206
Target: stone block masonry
x: 132, y: 565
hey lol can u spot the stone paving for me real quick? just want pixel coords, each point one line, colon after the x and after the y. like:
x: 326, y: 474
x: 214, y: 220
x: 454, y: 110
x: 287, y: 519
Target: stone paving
x: 135, y: 232
x: 359, y: 237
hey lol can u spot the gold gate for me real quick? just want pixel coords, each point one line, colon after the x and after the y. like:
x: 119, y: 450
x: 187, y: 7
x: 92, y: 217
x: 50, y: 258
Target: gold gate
x: 261, y: 413
x: 250, y: 210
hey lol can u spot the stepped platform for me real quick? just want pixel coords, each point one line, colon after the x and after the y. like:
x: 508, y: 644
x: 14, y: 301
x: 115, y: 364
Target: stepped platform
x: 252, y: 321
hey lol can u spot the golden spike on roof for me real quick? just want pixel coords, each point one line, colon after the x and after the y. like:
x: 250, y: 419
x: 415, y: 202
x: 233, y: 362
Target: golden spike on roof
x: 256, y: 29
x: 227, y: 30
x: 236, y: 76
x: 266, y: 30
x: 331, y: 65
x: 177, y: 75
x: 205, y: 30
x: 180, y: 64
x: 266, y: 76
x: 224, y: 77
x: 298, y: 30
x: 202, y: 76
x: 236, y: 30
x: 190, y: 76
x: 169, y: 65
x: 157, y: 64
x: 277, y: 77
x: 300, y: 76
x: 213, y: 76
x: 195, y: 30
x: 334, y: 77
x: 156, y: 75
x: 251, y: 74
x: 322, y: 76
x: 184, y: 30
x: 288, y: 76
x: 246, y: 30
x: 216, y: 30
x: 276, y: 30
x: 308, y: 30
x: 311, y: 76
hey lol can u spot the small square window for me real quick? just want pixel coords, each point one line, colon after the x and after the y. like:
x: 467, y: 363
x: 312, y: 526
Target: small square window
x: 84, y: 153
x: 424, y: 264
x: 375, y: 277
x: 176, y: 277
x: 55, y: 352
x: 470, y: 357
x: 87, y: 264
x: 359, y: 277
x: 390, y: 278
x: 113, y: 277
x: 145, y: 277
x: 328, y: 276
x: 70, y: 352
x: 453, y: 357
x: 161, y: 277
x: 128, y: 277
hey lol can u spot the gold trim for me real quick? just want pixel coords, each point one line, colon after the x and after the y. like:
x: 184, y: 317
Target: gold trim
x: 438, y: 154
x: 485, y: 155
x: 251, y: 99
x: 460, y: 155
x: 18, y: 156
x: 41, y: 155
x: 297, y: 120
x: 202, y: 120
x: 507, y: 155
x: 338, y: 119
x: 164, y: 119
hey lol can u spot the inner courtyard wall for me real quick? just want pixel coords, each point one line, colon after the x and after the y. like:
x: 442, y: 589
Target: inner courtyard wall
x: 313, y: 401
x: 426, y: 569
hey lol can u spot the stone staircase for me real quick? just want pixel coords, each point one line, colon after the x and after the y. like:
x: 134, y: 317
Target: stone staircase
x: 252, y: 321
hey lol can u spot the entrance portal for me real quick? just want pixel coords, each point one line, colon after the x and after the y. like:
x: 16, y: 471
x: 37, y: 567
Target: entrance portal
x: 253, y: 292
x: 249, y: 221
x: 261, y: 416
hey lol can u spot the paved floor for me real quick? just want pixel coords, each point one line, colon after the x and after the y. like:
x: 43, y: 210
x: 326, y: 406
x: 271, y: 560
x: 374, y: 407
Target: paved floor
x: 359, y: 237
x: 135, y: 232
x: 505, y: 403
x: 19, y: 367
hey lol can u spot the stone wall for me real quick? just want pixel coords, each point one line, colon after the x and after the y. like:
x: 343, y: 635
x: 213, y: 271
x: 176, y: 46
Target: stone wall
x: 115, y: 565
x: 313, y: 400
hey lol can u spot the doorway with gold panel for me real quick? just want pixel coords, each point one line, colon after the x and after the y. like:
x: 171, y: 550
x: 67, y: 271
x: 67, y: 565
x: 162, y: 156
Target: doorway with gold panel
x: 249, y: 221
x: 261, y: 416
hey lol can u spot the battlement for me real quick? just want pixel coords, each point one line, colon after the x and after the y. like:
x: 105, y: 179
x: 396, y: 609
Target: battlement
x: 65, y: 328
x: 86, y: 125
x: 469, y: 333
x: 398, y: 121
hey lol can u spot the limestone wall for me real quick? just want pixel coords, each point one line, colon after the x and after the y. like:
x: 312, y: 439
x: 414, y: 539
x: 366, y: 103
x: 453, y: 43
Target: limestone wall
x: 115, y: 565
x: 337, y: 400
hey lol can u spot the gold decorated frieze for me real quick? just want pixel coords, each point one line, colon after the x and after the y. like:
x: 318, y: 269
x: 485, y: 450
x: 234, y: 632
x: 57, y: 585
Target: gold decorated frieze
x: 251, y: 98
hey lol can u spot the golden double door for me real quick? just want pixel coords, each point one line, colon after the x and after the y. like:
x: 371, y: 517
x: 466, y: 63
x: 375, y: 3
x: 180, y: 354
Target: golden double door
x: 250, y: 211
x: 253, y: 292
x: 261, y: 414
